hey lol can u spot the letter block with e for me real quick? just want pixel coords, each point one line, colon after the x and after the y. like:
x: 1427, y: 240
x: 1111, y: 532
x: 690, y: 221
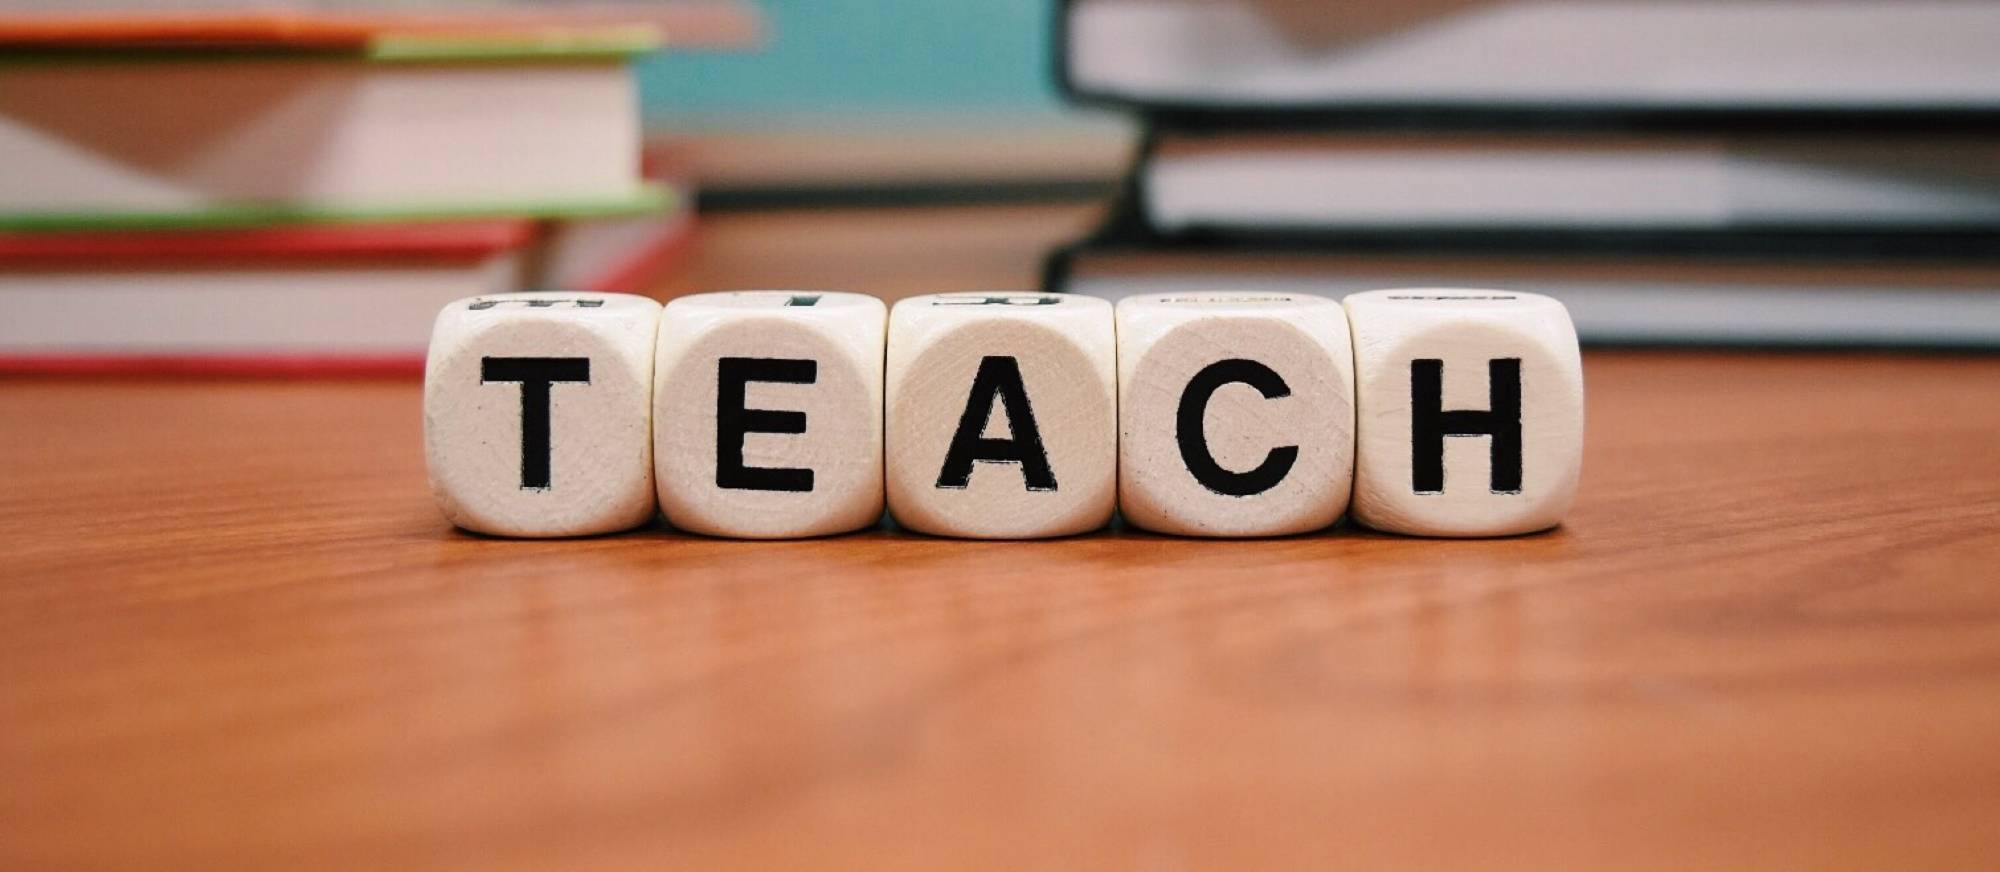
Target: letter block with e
x: 767, y: 413
x: 1236, y: 413
x: 1001, y: 416
x: 537, y: 413
x: 1470, y: 409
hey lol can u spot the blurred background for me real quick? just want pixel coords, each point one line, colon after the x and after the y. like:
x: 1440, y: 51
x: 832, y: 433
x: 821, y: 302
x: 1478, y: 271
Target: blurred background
x: 890, y: 101
x: 296, y: 186
x: 829, y: 61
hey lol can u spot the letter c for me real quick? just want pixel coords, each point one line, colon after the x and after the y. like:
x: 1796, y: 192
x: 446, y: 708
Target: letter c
x: 1193, y: 441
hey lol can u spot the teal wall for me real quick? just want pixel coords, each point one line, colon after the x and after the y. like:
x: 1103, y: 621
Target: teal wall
x: 827, y: 58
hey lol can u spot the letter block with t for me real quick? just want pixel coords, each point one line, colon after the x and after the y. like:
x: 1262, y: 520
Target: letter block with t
x: 767, y: 413
x: 537, y: 413
x: 1002, y: 415
x: 1470, y: 411
x: 1236, y: 413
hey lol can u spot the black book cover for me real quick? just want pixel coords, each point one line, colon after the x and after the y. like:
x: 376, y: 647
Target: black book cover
x: 1125, y: 231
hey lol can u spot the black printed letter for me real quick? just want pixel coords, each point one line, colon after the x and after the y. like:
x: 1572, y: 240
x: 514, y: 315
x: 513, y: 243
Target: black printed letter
x: 732, y: 421
x: 1188, y: 431
x: 1429, y: 424
x: 535, y: 374
x: 998, y: 378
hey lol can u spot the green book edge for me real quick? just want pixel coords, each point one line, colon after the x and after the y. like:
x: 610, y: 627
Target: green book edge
x: 593, y: 44
x: 651, y: 198
x: 603, y: 43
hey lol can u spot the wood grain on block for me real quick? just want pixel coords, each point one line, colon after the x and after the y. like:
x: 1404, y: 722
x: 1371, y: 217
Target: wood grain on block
x: 1235, y: 413
x: 1469, y: 411
x: 537, y: 413
x: 1002, y: 415
x: 767, y: 413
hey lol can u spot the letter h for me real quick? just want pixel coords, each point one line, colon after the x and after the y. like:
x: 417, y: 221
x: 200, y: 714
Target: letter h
x: 1430, y: 423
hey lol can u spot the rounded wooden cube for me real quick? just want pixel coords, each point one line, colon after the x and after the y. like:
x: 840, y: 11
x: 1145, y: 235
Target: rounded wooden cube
x: 538, y: 413
x: 1236, y: 413
x: 1002, y: 415
x: 767, y: 413
x: 1470, y: 411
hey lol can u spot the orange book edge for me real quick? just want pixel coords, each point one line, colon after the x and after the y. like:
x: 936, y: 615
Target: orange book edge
x: 702, y: 23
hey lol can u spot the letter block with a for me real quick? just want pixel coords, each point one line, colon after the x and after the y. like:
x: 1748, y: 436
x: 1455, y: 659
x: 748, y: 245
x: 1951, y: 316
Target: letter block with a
x: 537, y: 410
x: 1236, y: 413
x: 767, y: 413
x: 1470, y: 409
x: 1002, y: 415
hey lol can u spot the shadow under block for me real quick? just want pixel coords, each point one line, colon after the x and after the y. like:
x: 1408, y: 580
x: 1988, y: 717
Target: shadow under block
x: 1469, y: 411
x: 767, y: 413
x: 537, y: 413
x: 1236, y: 413
x: 1001, y: 416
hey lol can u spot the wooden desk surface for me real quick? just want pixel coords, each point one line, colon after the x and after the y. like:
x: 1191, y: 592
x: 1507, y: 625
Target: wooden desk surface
x: 235, y: 633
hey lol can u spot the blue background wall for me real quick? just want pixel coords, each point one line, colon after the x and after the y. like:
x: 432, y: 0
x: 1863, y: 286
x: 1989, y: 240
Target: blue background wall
x: 827, y: 58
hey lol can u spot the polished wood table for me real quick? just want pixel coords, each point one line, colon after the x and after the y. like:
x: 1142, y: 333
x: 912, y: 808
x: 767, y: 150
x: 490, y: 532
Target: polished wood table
x: 234, y: 633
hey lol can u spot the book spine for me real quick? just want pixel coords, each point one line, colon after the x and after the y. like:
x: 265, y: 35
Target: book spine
x: 1812, y: 244
x: 1059, y: 69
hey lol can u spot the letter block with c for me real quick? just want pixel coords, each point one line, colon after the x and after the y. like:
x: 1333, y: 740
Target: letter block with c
x: 1236, y: 413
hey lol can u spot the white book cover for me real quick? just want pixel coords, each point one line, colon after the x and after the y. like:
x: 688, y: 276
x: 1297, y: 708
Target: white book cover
x: 1332, y: 182
x: 116, y: 138
x: 1756, y: 54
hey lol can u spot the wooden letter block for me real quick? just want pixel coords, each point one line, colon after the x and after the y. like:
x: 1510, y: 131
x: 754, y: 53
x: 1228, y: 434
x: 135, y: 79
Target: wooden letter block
x: 537, y: 413
x: 767, y: 413
x: 1236, y: 413
x: 1470, y: 411
x: 1002, y: 415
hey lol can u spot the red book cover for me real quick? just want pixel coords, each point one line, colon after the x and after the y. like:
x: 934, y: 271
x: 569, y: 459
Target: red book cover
x: 450, y: 240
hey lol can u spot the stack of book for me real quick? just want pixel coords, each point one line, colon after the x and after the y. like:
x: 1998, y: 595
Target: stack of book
x: 300, y: 187
x: 1806, y: 172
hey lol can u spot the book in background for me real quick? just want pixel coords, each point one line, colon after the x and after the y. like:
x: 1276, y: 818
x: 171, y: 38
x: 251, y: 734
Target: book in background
x: 309, y: 299
x: 1327, y: 182
x: 1742, y: 173
x: 297, y: 188
x: 1656, y: 298
x: 1594, y: 64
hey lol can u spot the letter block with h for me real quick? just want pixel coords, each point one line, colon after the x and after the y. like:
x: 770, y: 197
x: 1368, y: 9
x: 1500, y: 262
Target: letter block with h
x: 1470, y: 411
